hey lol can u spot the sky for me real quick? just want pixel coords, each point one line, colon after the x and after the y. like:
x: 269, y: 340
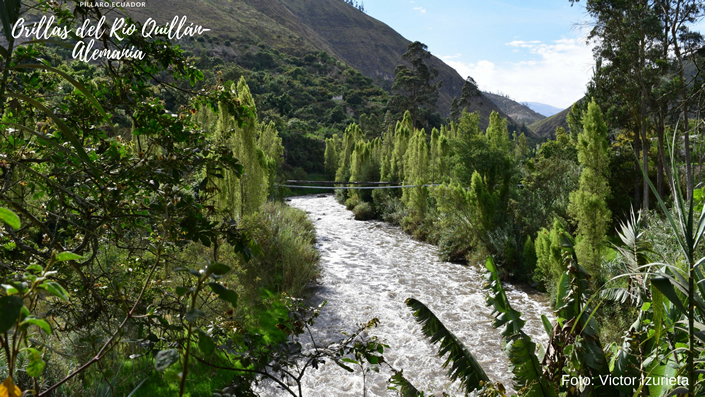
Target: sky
x: 530, y: 50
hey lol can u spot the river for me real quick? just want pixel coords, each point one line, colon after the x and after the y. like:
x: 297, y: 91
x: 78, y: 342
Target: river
x: 368, y: 269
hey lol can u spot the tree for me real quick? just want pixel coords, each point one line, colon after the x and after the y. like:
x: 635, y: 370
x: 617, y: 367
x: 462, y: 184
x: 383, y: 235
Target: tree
x: 258, y: 146
x: 103, y: 176
x: 588, y: 204
x: 469, y: 93
x: 413, y: 81
x: 628, y: 58
x: 331, y: 159
x: 677, y: 14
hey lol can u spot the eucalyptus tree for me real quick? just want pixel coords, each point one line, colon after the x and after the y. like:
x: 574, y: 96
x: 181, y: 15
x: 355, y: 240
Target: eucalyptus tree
x: 678, y: 16
x: 627, y: 56
x: 414, y: 83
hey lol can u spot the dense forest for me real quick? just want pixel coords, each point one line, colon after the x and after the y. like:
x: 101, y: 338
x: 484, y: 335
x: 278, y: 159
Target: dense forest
x: 147, y: 248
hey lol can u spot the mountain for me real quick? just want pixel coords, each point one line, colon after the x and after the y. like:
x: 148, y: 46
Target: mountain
x: 297, y: 27
x: 546, y: 128
x: 542, y: 108
x: 517, y: 111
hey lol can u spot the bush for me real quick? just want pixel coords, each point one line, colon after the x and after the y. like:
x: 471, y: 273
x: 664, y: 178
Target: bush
x: 389, y: 206
x: 351, y: 203
x: 363, y: 212
x: 289, y: 260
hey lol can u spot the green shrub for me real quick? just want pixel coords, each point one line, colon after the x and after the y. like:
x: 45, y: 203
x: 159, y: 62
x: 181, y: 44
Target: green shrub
x: 389, y: 206
x: 351, y: 203
x: 363, y: 212
x: 289, y: 260
x: 529, y: 256
x: 549, y: 260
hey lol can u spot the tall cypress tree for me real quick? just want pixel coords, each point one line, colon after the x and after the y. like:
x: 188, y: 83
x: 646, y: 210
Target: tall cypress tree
x: 588, y: 204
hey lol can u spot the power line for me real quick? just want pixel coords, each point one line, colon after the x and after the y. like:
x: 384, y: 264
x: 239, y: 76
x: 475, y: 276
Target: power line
x: 340, y: 182
x: 354, y: 187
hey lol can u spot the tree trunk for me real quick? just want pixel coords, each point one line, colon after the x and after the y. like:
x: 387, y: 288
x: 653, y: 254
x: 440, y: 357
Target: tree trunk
x: 638, y: 179
x: 660, y: 162
x: 645, y: 163
x: 684, y: 104
x: 644, y: 143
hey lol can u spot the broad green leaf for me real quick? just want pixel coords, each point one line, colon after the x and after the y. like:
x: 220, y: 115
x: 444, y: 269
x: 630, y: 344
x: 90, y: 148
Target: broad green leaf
x: 55, y: 289
x: 10, y: 218
x: 181, y: 291
x: 205, y: 343
x: 345, y: 367
x: 224, y: 293
x: 218, y: 269
x: 10, y: 289
x: 68, y: 256
x: 35, y: 268
x: 10, y: 309
x: 563, y: 290
x: 39, y: 323
x: 664, y: 285
x: 165, y: 359
x: 547, y: 325
x: 193, y: 315
x: 36, y: 363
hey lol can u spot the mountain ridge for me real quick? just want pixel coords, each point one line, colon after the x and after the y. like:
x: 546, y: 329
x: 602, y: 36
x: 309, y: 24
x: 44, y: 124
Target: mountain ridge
x: 301, y: 26
x: 542, y: 108
x: 517, y: 111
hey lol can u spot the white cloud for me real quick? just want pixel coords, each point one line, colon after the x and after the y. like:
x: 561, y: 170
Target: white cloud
x: 421, y: 9
x: 458, y: 55
x: 558, y: 77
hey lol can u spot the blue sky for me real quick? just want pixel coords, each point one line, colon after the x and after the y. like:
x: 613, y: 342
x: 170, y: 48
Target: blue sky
x: 531, y: 50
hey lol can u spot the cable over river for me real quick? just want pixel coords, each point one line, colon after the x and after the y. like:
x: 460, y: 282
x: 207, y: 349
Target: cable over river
x: 368, y: 269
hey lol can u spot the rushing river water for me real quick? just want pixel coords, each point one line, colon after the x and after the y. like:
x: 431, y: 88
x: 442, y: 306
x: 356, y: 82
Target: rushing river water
x: 368, y: 270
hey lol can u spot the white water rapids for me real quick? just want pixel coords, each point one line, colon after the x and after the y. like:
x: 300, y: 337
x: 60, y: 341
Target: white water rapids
x: 368, y: 270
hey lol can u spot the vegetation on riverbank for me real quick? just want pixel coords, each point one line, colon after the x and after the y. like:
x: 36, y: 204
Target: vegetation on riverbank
x: 140, y: 251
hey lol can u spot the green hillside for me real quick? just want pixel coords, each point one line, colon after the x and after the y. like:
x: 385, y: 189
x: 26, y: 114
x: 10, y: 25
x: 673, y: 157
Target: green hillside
x: 297, y: 27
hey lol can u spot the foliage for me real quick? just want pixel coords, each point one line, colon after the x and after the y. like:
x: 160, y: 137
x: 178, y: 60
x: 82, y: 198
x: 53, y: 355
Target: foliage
x: 528, y: 375
x: 413, y: 80
x: 464, y: 366
x: 588, y: 204
x: 289, y: 260
x: 363, y: 212
x: 255, y: 144
x: 549, y: 255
